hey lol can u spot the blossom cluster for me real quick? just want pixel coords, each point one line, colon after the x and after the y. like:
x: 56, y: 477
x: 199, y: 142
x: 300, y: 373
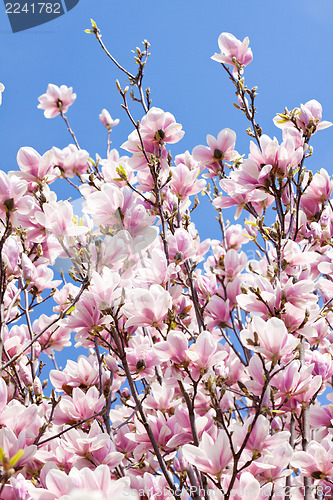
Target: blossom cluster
x: 205, y: 372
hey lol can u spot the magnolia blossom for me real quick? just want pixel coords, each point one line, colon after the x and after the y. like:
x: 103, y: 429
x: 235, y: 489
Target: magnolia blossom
x: 219, y: 150
x: 106, y: 119
x: 308, y: 118
x: 233, y: 52
x: 270, y: 338
x: 56, y: 100
x: 211, y: 456
x: 147, y: 307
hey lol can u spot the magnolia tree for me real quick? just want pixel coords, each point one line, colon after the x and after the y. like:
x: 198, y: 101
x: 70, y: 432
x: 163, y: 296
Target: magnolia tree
x: 205, y: 373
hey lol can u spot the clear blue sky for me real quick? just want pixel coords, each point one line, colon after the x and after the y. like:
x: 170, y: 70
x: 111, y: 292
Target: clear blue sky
x: 292, y: 46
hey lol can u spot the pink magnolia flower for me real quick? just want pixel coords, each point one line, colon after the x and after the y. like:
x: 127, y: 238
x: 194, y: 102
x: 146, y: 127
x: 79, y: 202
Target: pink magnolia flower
x: 12, y: 189
x: 297, y: 382
x: 147, y: 307
x: 217, y: 312
x: 211, y: 456
x: 174, y: 348
x: 161, y: 127
x: 281, y: 157
x: 11, y: 444
x: 233, y: 52
x: 270, y: 338
x: 71, y: 161
x: 34, y: 166
x: 261, y: 439
x: 84, y: 373
x: 219, y: 150
x: 184, y: 182
x: 141, y: 358
x: 317, y: 193
x: 57, y: 218
x: 317, y: 461
x: 204, y: 353
x: 56, y: 99
x: 79, y: 406
x: 308, y: 118
x: 180, y: 245
x: 106, y: 119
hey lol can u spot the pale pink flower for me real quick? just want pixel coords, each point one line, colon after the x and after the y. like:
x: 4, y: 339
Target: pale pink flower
x: 204, y: 353
x: 270, y: 338
x: 180, y: 245
x: 220, y: 149
x: 56, y: 99
x: 297, y: 382
x: 12, y: 189
x: 34, y: 166
x: 160, y: 126
x: 11, y: 444
x: 65, y: 296
x: 211, y: 456
x: 57, y: 337
x: 308, y: 118
x: 217, y: 312
x: 147, y: 307
x: 106, y: 119
x: 317, y: 459
x: 71, y: 161
x: 140, y: 356
x: 174, y: 348
x: 86, y: 317
x: 233, y: 52
x: 58, y: 219
x: 260, y: 439
x: 185, y: 182
x: 281, y: 157
x: 311, y: 115
x: 79, y: 406
x: 317, y: 193
x: 84, y: 373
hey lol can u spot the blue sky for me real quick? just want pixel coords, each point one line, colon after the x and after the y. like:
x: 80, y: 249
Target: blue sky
x: 291, y: 42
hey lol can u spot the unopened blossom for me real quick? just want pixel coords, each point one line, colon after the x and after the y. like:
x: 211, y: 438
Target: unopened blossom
x: 219, y: 150
x: 233, y: 52
x: 106, y: 119
x: 56, y: 100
